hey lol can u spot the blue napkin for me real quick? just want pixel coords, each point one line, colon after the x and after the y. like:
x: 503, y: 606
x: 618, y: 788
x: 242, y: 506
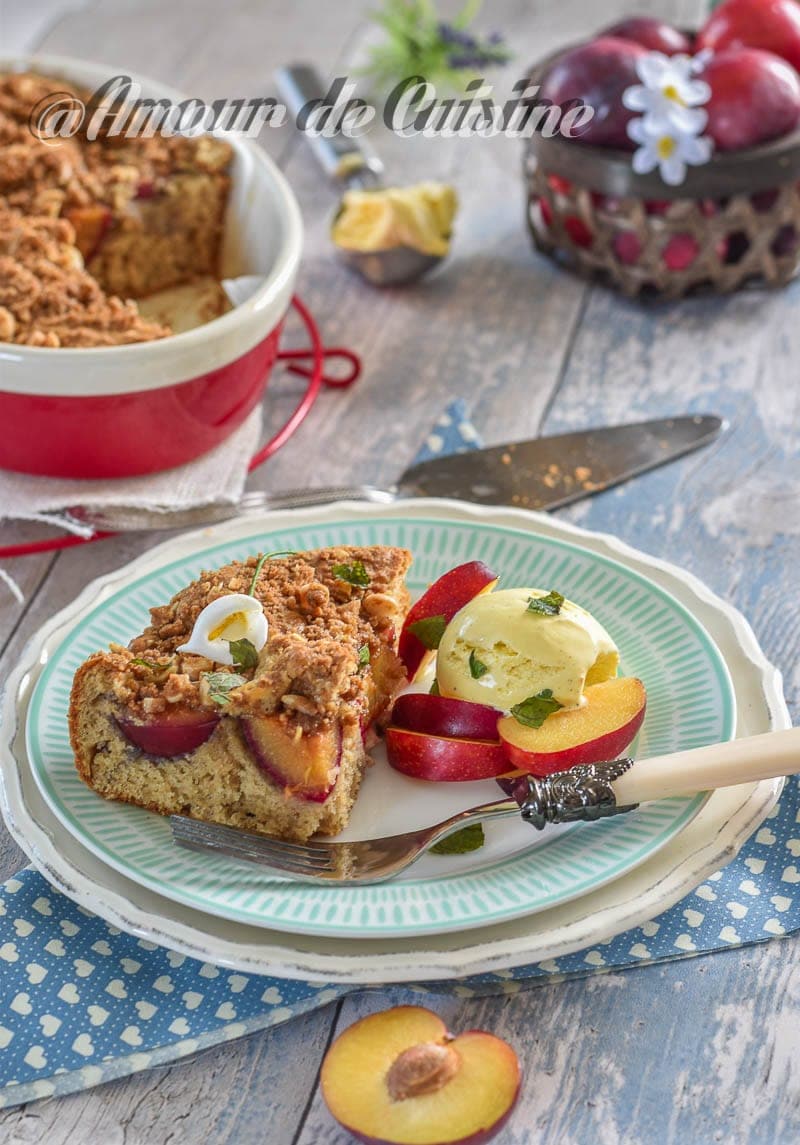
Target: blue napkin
x: 84, y: 1002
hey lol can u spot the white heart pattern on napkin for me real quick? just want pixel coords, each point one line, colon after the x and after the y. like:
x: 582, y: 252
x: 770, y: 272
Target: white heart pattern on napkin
x: 21, y: 1003
x: 50, y: 1024
x: 97, y: 1015
x: 728, y: 934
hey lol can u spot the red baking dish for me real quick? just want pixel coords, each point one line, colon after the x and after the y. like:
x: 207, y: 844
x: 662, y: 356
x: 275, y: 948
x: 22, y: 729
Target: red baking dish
x: 126, y: 410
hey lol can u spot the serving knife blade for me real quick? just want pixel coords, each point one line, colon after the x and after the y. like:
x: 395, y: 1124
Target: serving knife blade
x: 548, y: 472
x: 543, y: 473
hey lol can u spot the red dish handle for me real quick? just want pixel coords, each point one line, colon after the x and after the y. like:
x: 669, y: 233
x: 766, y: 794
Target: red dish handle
x: 316, y: 352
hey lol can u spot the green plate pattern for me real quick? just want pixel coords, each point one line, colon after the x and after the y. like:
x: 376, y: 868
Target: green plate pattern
x: 690, y: 703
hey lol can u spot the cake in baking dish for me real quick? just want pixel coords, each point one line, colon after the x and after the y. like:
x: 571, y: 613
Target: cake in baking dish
x: 250, y: 698
x: 87, y: 227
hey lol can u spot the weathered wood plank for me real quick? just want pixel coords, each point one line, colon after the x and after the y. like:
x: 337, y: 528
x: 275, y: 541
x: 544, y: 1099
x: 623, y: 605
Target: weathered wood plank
x: 700, y: 1051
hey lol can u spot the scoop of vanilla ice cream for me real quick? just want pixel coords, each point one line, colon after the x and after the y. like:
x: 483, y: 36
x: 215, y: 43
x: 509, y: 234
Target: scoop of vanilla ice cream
x: 420, y: 216
x: 523, y: 652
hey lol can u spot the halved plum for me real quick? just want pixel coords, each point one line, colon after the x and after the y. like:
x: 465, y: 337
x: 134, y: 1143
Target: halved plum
x: 443, y: 716
x: 306, y: 768
x: 398, y: 1077
x: 444, y: 599
x: 172, y: 733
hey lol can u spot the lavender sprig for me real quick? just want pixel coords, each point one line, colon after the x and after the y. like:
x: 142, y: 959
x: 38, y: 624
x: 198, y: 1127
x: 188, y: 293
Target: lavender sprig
x: 418, y: 42
x: 474, y: 52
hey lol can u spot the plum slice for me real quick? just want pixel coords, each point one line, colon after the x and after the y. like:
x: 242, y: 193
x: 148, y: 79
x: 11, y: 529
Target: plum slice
x: 91, y: 224
x: 172, y: 733
x: 444, y: 759
x: 441, y: 601
x: 442, y: 716
x: 307, y: 768
x: 602, y: 729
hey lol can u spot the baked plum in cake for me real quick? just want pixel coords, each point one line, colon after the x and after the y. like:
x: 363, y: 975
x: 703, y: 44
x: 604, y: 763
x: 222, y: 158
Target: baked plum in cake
x: 250, y: 698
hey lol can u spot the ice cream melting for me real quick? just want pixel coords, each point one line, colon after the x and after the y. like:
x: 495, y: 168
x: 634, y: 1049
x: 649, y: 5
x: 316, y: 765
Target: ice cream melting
x: 497, y: 651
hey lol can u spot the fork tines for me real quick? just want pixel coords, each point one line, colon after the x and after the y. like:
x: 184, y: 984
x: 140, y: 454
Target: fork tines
x: 313, y: 860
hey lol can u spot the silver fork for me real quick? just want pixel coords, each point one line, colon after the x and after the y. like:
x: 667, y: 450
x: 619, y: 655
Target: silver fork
x: 367, y: 861
x: 588, y: 792
x: 582, y: 793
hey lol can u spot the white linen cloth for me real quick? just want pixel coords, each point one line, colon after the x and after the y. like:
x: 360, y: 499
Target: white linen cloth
x: 215, y: 478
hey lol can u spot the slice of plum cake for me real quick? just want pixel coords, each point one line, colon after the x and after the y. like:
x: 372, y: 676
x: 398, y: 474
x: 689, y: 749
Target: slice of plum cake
x: 251, y: 697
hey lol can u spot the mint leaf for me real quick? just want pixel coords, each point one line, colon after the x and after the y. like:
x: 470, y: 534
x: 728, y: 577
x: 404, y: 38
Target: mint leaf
x: 549, y: 605
x: 220, y: 683
x: 262, y: 560
x: 244, y: 653
x: 429, y: 631
x: 354, y: 574
x: 153, y: 665
x: 477, y: 668
x: 461, y: 842
x: 535, y: 710
x: 363, y: 656
x: 434, y: 690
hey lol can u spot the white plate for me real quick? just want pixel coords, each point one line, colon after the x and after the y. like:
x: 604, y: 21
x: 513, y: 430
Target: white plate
x: 690, y: 703
x: 710, y: 840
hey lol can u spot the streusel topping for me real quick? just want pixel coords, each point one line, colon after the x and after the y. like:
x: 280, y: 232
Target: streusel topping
x: 319, y: 623
x: 56, y: 202
x: 48, y: 299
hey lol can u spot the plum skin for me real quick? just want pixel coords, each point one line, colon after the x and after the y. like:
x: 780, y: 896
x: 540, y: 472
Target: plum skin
x: 445, y: 597
x: 443, y: 716
x: 596, y: 74
x: 653, y: 34
x: 443, y: 759
x: 773, y: 25
x: 169, y: 738
x: 755, y: 97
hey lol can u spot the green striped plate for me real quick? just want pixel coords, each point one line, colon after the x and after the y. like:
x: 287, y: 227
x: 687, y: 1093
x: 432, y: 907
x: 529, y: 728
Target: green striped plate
x: 690, y: 703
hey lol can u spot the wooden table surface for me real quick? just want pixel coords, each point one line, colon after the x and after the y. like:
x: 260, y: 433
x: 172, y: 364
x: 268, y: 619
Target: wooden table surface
x: 691, y: 1051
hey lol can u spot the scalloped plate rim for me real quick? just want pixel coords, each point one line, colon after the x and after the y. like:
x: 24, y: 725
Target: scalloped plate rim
x: 715, y: 835
x: 416, y: 906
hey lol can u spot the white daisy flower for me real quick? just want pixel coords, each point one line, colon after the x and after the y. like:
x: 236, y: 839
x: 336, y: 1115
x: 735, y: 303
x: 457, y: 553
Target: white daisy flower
x: 670, y: 90
x: 662, y: 144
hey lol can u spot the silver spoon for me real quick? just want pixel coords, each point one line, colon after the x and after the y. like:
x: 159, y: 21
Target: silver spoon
x: 352, y: 166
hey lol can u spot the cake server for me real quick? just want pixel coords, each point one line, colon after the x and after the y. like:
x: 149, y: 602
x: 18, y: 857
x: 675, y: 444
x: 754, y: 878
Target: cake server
x: 585, y: 793
x: 542, y: 473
